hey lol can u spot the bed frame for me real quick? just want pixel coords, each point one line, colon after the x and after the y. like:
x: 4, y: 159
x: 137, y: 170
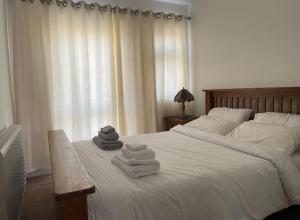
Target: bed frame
x: 72, y: 183
x: 283, y: 99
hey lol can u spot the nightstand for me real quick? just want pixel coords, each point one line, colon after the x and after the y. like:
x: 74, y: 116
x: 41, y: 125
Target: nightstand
x: 172, y: 121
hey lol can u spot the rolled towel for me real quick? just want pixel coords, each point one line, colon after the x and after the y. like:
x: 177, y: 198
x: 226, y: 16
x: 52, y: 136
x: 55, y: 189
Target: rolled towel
x: 108, y: 137
x: 136, y: 171
x: 136, y: 146
x: 108, y: 129
x: 134, y: 162
x: 106, y: 142
x: 146, y: 154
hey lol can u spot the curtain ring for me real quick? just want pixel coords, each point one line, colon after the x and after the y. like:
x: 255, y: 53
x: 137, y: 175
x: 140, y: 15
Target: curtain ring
x: 114, y: 9
x: 147, y: 14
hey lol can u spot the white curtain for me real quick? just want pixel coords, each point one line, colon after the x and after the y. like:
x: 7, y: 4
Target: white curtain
x: 79, y: 69
x: 171, y: 64
x: 32, y: 71
x: 6, y: 112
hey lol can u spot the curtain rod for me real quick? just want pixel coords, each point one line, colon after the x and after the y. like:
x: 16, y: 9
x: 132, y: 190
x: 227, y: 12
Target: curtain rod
x: 113, y: 9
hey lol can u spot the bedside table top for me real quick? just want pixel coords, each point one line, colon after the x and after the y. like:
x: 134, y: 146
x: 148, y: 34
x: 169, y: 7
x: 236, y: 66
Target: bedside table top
x: 183, y: 119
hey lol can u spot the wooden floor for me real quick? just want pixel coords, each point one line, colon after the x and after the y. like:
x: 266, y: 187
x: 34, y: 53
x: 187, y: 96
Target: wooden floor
x: 39, y: 203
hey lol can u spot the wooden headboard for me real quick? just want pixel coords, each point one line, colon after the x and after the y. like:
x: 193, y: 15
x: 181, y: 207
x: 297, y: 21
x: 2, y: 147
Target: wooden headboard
x: 282, y: 99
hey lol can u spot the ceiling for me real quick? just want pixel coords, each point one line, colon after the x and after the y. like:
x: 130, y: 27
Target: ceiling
x: 181, y: 2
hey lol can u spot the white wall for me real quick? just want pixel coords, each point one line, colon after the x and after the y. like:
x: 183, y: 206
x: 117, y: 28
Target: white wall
x: 6, y: 115
x: 245, y: 43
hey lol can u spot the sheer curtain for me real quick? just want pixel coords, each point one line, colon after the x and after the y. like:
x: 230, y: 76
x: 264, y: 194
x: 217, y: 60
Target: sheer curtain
x: 171, y: 64
x: 79, y: 69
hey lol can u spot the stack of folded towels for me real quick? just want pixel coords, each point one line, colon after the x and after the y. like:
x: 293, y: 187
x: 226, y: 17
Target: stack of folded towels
x: 137, y: 160
x: 108, y: 139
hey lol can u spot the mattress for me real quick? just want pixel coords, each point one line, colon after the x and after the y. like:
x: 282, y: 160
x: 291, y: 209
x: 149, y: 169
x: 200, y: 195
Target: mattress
x: 200, y: 178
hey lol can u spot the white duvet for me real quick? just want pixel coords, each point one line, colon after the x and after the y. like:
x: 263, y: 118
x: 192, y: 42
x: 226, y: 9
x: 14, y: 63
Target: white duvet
x: 203, y: 176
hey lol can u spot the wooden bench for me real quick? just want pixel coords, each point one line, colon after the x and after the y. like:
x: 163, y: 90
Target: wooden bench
x: 71, y: 181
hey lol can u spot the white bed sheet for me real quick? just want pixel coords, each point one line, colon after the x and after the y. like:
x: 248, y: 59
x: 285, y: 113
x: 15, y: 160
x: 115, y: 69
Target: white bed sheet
x: 296, y: 159
x: 198, y: 180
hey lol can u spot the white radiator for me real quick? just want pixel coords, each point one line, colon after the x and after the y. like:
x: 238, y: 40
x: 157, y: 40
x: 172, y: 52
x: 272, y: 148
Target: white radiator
x: 12, y: 173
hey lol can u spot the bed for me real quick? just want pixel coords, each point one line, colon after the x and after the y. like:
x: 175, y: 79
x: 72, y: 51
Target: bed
x: 203, y: 176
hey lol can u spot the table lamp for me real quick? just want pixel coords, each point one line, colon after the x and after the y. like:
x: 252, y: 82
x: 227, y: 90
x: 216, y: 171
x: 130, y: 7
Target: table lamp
x: 183, y: 96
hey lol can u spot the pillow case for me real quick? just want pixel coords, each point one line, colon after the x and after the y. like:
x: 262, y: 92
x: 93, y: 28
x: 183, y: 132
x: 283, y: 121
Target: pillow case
x: 282, y: 138
x: 230, y: 114
x: 212, y: 124
x: 288, y: 120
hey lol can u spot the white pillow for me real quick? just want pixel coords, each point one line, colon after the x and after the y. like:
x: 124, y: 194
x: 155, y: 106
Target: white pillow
x: 212, y: 124
x: 230, y: 114
x: 288, y: 120
x: 285, y: 139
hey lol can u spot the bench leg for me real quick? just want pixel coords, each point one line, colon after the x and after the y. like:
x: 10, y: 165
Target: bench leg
x: 75, y: 208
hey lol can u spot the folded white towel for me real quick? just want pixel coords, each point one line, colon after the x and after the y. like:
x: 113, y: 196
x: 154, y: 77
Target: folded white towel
x: 136, y: 146
x: 146, y: 154
x: 134, y: 162
x: 136, y: 171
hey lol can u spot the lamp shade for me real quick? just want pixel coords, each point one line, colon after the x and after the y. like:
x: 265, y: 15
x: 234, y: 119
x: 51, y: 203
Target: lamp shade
x: 184, y: 96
